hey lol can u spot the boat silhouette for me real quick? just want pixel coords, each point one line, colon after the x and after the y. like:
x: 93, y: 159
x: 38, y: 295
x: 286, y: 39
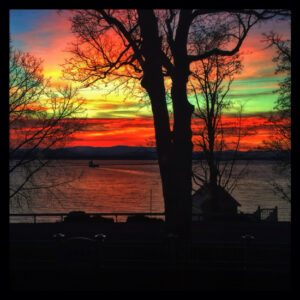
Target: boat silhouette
x: 92, y: 165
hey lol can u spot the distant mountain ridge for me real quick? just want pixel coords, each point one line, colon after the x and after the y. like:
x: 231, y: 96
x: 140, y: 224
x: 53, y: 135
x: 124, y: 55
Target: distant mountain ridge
x: 129, y: 152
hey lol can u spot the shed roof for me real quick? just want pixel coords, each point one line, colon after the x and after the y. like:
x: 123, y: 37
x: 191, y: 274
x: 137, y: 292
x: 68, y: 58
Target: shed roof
x: 201, y: 196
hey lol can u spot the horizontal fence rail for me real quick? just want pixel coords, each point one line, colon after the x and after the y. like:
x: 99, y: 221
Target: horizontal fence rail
x: 259, y: 215
x: 34, y: 216
x: 62, y: 215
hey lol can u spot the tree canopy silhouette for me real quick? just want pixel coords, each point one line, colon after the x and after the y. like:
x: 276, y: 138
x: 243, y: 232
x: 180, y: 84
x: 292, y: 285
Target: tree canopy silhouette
x: 39, y: 118
x: 281, y: 119
x: 213, y: 78
x: 152, y: 46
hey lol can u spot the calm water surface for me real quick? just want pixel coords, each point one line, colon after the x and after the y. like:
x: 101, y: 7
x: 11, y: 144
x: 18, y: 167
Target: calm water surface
x: 134, y: 186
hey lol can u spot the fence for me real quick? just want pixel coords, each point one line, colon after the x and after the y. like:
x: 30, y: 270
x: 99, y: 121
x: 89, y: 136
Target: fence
x: 267, y: 214
x: 34, y: 217
x: 61, y: 216
x: 261, y: 214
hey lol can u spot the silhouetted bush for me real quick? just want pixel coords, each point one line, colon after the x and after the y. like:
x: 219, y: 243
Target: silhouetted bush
x: 82, y: 217
x: 77, y: 216
x: 241, y: 217
x: 143, y: 219
x: 100, y: 219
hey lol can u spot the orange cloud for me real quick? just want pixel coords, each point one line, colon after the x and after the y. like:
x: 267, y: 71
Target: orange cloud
x: 253, y: 129
x: 140, y: 132
x: 113, y: 132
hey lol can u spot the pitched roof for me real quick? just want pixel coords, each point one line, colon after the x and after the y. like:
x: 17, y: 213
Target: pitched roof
x: 201, y: 196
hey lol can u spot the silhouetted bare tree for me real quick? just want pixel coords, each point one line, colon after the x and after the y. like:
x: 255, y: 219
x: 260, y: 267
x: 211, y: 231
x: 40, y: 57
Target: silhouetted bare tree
x: 38, y: 119
x: 150, y: 46
x: 213, y: 78
x: 281, y: 119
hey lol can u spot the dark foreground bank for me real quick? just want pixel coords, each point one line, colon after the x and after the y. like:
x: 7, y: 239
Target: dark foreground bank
x: 120, y: 256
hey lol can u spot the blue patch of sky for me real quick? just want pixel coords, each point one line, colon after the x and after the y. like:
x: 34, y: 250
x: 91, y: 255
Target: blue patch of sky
x: 283, y: 27
x: 24, y: 20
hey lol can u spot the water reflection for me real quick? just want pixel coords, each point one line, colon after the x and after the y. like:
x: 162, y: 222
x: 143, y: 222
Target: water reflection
x: 134, y: 186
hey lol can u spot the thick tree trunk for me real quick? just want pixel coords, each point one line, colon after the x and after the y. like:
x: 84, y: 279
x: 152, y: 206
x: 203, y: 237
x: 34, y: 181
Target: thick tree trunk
x: 174, y: 149
x: 183, y: 148
x: 153, y: 82
x: 182, y: 133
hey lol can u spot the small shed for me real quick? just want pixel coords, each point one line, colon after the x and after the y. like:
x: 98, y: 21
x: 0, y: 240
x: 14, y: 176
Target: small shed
x: 223, y: 203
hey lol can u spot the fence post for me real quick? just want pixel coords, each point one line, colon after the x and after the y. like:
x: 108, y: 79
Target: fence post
x: 259, y: 212
x: 150, y: 200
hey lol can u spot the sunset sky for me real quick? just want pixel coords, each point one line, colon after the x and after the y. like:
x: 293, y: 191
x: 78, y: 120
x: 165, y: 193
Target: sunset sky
x: 118, y: 119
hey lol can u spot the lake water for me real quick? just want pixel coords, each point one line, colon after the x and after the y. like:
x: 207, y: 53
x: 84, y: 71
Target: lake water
x: 134, y: 186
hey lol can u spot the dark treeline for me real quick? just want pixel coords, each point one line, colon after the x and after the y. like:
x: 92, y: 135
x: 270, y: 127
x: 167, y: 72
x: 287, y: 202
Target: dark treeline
x: 125, y: 152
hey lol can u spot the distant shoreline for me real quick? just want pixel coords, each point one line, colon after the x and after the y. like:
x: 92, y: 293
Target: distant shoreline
x: 134, y: 153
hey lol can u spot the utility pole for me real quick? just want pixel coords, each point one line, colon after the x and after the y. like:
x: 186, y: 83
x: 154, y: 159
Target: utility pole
x: 150, y: 200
